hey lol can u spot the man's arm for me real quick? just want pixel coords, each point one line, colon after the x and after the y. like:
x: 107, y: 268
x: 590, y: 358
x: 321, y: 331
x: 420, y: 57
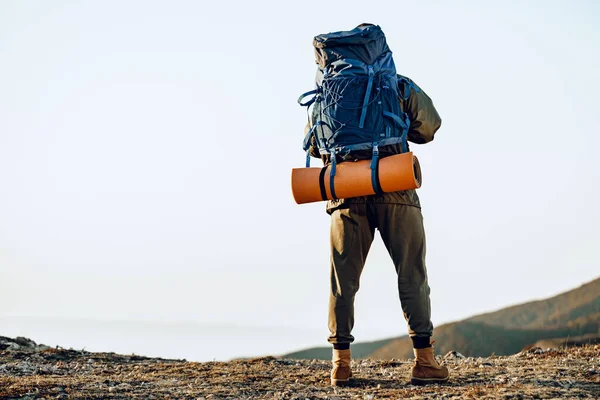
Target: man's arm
x: 424, y: 118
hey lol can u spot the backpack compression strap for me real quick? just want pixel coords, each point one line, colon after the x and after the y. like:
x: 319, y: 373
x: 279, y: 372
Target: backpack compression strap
x: 309, y: 102
x: 375, y: 169
x: 404, y: 124
x: 332, y: 174
x: 408, y: 84
x: 366, y: 100
x: 374, y: 174
x: 306, y: 142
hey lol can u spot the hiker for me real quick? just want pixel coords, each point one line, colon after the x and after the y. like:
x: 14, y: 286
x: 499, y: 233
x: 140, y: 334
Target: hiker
x: 396, y: 215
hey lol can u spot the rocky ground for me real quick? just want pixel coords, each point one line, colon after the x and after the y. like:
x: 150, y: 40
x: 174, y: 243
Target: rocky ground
x: 31, y: 371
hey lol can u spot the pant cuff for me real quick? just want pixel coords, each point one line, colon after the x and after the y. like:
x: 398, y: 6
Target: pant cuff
x: 421, y: 342
x: 341, y: 346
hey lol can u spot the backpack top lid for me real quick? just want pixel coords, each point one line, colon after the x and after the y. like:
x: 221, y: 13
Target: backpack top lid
x: 366, y: 43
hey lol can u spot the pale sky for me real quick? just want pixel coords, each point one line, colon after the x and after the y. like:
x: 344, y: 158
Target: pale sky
x: 146, y: 150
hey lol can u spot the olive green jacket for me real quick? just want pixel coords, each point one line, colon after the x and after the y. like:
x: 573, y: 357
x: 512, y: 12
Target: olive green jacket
x: 425, y: 121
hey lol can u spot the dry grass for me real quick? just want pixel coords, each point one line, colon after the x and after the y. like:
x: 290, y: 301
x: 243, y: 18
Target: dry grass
x: 69, y: 374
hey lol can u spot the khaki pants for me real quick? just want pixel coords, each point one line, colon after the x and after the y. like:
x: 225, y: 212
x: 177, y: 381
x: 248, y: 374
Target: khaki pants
x: 352, y: 232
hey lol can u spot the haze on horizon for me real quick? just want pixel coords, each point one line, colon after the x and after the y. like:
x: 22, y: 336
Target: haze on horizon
x: 146, y: 148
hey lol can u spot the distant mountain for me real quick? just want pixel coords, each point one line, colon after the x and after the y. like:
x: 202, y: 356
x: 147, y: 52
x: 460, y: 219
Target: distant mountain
x: 569, y: 341
x: 573, y: 314
x: 359, y: 350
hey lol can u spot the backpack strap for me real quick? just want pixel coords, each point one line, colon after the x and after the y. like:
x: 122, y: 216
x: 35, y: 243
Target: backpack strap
x: 375, y: 168
x: 306, y: 142
x: 366, y: 100
x: 405, y: 133
x: 332, y: 175
x: 408, y: 84
x: 404, y: 124
x: 309, y: 102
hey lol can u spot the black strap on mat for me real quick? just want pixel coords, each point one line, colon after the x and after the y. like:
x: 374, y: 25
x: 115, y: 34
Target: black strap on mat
x: 322, y: 183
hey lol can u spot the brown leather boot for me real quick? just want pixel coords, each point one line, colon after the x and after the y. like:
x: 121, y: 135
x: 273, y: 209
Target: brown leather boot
x: 341, y: 373
x: 426, y: 369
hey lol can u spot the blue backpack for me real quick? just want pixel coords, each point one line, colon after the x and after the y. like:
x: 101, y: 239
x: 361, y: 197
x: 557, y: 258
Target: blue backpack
x: 355, y: 105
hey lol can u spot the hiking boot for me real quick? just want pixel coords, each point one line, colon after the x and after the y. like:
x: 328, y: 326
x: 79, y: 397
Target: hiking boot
x: 426, y: 369
x: 341, y: 373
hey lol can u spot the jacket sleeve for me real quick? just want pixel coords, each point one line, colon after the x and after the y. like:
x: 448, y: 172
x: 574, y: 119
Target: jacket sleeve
x: 424, y: 118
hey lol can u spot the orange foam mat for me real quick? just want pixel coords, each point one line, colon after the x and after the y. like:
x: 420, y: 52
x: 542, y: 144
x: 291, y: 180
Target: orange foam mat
x: 353, y: 178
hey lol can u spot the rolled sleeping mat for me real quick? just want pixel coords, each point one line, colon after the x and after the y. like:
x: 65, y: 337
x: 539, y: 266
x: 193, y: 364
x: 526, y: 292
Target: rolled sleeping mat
x: 353, y: 178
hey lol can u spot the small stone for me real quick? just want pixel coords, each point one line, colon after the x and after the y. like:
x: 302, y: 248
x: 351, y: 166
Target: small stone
x: 13, y: 346
x: 124, y: 386
x: 453, y: 355
x: 24, y: 342
x: 41, y: 347
x: 535, y: 350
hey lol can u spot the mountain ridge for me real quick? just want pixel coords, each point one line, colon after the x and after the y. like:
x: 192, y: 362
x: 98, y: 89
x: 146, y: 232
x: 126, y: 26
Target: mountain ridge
x: 573, y: 313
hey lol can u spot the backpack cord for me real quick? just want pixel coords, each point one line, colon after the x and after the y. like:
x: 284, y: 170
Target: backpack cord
x: 334, y: 97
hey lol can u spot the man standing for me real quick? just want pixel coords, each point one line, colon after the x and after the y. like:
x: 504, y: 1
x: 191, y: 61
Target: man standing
x: 364, y: 110
x: 398, y: 218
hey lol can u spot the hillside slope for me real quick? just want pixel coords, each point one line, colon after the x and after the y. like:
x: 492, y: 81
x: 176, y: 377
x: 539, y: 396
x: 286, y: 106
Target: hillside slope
x: 576, y: 307
x: 502, y: 332
x: 477, y: 340
x: 359, y: 350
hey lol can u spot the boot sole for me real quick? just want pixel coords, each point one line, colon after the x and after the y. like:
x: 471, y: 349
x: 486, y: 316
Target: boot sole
x: 340, y: 382
x: 425, y: 381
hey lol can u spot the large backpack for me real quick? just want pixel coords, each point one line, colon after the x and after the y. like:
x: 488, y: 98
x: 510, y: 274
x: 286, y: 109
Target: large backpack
x: 355, y: 103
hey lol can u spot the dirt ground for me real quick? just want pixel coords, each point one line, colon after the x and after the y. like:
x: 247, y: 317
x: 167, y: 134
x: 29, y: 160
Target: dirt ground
x: 36, y: 372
